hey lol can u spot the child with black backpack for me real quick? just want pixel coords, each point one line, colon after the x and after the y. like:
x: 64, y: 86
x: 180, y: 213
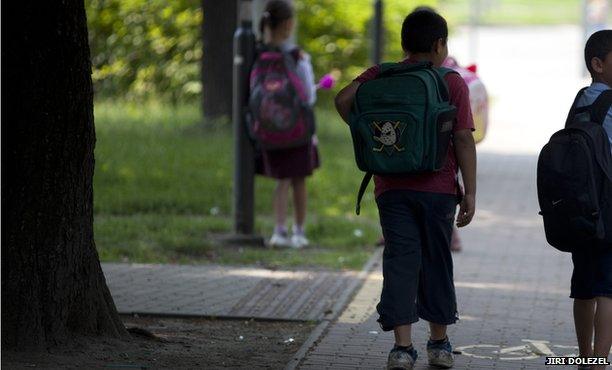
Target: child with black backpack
x: 282, y: 94
x: 575, y: 195
x: 412, y: 128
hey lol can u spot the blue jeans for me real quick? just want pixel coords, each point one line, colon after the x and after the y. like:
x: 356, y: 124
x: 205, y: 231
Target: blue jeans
x: 417, y: 262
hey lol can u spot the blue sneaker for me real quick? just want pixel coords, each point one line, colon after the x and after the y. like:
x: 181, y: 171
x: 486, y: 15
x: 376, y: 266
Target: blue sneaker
x: 440, y: 354
x: 401, y: 358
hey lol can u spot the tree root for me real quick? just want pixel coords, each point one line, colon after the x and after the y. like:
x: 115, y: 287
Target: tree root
x: 144, y: 333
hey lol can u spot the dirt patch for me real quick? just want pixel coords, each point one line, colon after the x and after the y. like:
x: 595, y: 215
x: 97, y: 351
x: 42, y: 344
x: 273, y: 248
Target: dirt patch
x: 178, y: 344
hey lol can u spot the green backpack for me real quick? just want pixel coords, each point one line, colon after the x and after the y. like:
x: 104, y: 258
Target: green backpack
x: 402, y: 121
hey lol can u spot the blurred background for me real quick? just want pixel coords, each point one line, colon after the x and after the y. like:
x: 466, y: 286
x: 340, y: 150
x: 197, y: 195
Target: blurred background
x: 164, y: 152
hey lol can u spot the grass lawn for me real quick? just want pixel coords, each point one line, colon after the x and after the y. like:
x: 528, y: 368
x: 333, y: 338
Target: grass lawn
x: 163, y: 186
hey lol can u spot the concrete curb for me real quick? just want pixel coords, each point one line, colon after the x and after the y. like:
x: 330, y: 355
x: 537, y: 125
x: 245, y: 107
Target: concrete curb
x: 338, y: 308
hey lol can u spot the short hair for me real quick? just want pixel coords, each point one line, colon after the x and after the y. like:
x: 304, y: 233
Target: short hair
x: 421, y: 29
x: 597, y: 46
x: 424, y: 7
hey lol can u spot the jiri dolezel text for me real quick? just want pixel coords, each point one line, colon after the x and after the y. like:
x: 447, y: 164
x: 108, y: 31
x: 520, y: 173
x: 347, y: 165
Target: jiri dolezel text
x: 577, y: 361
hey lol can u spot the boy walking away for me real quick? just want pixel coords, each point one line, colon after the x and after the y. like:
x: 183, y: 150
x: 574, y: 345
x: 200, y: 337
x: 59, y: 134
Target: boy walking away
x: 575, y: 194
x: 405, y: 110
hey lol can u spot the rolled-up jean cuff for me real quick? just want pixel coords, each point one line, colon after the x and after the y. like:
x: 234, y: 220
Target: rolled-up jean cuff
x: 607, y: 295
x: 590, y: 296
x: 390, y: 324
x: 582, y: 296
x: 440, y: 321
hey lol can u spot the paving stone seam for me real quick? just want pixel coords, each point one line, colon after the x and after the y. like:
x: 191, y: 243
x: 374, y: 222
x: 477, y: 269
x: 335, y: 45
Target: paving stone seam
x: 336, y: 311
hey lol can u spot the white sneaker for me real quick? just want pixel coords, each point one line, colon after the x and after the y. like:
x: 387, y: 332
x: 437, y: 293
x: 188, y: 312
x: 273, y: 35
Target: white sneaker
x: 299, y: 241
x: 279, y: 240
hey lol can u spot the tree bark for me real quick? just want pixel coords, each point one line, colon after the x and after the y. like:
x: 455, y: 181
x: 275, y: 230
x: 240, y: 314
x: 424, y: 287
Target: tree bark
x: 218, y: 26
x: 52, y: 283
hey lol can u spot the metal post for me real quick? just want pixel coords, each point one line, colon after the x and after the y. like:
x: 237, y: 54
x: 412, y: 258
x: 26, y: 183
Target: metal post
x: 377, y: 40
x: 244, y: 166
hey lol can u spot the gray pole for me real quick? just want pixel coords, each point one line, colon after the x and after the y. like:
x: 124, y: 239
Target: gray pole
x: 244, y: 166
x: 377, y: 40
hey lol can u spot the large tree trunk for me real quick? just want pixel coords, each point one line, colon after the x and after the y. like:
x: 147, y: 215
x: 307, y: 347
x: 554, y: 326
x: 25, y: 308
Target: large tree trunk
x: 52, y: 283
x: 218, y: 26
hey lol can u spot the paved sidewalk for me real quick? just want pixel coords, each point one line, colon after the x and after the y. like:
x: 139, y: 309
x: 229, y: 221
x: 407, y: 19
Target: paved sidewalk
x: 237, y: 292
x: 512, y: 288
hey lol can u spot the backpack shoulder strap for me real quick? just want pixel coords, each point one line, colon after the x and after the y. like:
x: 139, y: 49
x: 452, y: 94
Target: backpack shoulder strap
x: 440, y: 74
x: 443, y: 71
x: 296, y: 53
x: 364, y: 185
x: 291, y: 59
x: 291, y: 64
x: 573, y: 110
x: 600, y: 107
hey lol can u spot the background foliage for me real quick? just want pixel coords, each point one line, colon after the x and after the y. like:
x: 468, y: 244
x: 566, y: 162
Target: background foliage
x: 151, y: 49
x: 145, y: 49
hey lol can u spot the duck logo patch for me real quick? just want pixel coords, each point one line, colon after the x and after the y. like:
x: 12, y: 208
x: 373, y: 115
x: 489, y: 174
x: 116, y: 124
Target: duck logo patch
x: 388, y: 134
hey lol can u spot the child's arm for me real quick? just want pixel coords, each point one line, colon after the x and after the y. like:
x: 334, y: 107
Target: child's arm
x: 465, y: 151
x: 304, y: 71
x: 345, y: 98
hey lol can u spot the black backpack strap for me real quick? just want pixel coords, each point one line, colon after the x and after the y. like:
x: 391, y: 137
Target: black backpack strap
x: 600, y: 107
x: 573, y: 110
x: 296, y: 53
x: 290, y: 61
x: 364, y: 185
x: 440, y: 75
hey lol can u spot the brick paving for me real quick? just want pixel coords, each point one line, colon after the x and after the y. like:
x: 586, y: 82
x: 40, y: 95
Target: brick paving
x: 213, y: 290
x: 511, y: 286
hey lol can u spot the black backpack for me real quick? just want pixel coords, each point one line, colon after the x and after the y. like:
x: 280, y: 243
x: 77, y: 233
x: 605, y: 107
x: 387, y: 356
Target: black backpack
x: 574, y: 178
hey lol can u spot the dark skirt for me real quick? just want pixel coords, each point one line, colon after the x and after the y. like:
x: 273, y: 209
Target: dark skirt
x: 288, y: 163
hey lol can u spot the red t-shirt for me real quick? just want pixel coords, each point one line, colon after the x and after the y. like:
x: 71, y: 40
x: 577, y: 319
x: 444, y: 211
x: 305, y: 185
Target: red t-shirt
x: 445, y: 180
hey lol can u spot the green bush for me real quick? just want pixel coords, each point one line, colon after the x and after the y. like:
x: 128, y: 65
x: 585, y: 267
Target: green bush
x: 143, y: 49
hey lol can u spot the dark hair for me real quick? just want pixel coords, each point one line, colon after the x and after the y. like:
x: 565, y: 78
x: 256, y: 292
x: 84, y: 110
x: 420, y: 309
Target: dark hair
x: 275, y: 13
x: 421, y: 29
x: 424, y: 7
x: 597, y: 46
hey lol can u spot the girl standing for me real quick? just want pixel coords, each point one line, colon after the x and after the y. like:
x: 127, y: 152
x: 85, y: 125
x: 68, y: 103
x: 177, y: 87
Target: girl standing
x: 289, y: 167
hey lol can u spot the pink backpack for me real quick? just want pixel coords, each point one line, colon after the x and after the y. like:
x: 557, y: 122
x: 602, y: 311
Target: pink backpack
x: 280, y: 117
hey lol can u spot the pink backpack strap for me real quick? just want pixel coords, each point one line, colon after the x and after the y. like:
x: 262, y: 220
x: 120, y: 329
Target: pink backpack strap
x: 291, y: 63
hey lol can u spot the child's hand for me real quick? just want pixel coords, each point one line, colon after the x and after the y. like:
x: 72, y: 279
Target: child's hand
x: 466, y: 210
x: 326, y: 82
